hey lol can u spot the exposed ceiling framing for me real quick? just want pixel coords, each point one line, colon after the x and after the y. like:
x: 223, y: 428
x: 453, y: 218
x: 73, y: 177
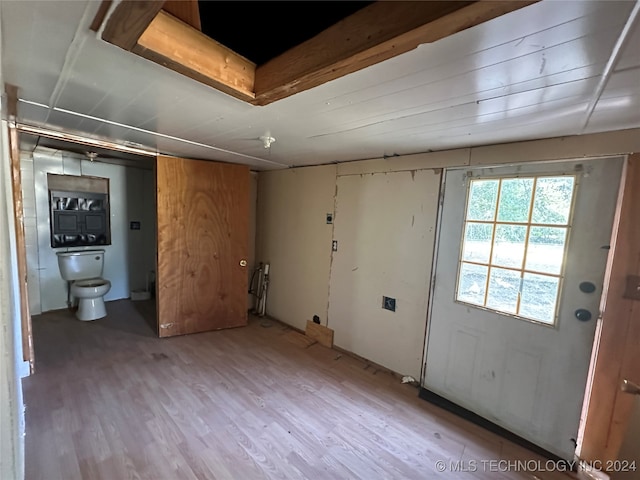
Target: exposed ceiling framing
x: 168, y: 33
x: 550, y: 69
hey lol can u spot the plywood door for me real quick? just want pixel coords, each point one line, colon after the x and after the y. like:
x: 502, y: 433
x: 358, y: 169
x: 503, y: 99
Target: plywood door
x: 203, y: 216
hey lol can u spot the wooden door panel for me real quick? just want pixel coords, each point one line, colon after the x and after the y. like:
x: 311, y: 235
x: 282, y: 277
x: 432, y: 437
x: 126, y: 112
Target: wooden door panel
x: 203, y: 215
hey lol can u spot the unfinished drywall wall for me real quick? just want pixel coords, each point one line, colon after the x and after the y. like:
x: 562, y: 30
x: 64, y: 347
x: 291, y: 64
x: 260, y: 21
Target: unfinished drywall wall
x: 295, y: 239
x: 384, y: 227
x: 292, y: 235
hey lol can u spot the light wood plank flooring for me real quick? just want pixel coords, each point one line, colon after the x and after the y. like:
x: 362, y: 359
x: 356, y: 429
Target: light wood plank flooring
x: 111, y: 401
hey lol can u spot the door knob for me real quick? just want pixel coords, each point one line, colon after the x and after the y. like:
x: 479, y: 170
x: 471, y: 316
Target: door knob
x: 243, y: 263
x: 630, y: 387
x: 587, y: 287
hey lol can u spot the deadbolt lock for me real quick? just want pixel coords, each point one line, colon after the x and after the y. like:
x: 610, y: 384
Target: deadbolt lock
x: 583, y: 314
x: 243, y: 263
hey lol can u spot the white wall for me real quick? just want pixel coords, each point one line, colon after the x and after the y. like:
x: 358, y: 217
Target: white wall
x: 30, y: 231
x: 47, y: 290
x: 292, y: 236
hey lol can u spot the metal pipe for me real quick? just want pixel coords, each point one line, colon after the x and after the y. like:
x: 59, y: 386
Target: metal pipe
x: 262, y: 302
x: 70, y: 137
x: 69, y: 305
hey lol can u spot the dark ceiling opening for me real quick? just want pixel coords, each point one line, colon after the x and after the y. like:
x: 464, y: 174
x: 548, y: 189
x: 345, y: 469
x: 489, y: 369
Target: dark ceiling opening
x: 262, y: 30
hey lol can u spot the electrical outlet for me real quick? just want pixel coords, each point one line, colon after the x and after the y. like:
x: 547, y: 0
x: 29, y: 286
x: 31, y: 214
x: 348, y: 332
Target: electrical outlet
x: 389, y: 303
x: 334, y: 245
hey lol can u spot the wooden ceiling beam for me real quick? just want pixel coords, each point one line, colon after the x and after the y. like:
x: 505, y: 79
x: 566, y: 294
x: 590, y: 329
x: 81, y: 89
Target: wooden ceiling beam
x: 100, y: 15
x: 180, y: 47
x: 376, y: 33
x: 129, y: 20
x: 185, y: 10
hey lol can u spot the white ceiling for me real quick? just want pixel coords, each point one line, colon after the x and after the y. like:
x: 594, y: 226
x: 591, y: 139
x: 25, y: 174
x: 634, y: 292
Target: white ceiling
x: 551, y: 69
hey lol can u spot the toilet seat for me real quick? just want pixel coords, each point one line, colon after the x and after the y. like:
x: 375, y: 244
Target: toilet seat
x: 91, y: 282
x: 90, y: 288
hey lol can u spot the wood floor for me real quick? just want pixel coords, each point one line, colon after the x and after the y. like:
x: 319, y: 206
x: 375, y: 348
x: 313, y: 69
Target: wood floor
x: 111, y: 401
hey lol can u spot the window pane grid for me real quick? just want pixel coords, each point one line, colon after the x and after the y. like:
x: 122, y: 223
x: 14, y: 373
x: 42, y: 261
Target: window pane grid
x: 514, y: 269
x: 529, y: 220
x: 520, y: 224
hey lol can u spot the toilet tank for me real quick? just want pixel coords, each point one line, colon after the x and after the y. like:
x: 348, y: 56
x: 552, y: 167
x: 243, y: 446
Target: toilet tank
x: 81, y: 265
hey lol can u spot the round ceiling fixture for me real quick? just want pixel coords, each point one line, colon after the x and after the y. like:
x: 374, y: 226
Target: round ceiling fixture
x: 267, y: 140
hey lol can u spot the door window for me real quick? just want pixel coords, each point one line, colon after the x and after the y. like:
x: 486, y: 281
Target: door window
x: 514, y: 244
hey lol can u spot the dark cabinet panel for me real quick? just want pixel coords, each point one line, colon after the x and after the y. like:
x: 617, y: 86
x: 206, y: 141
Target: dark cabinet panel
x: 66, y: 223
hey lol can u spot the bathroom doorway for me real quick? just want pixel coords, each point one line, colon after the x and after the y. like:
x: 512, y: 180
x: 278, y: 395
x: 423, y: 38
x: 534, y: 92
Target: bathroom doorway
x: 129, y: 253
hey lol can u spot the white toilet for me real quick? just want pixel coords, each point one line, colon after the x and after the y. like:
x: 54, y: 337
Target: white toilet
x: 83, y: 269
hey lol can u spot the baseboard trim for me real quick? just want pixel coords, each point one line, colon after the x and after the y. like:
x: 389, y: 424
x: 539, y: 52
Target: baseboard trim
x: 456, y: 409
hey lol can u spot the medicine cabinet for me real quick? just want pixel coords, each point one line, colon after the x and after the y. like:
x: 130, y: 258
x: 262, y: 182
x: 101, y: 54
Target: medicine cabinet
x: 79, y: 211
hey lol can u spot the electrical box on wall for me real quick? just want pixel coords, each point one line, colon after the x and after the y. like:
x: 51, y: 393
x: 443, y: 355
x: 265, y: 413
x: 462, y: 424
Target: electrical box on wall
x: 389, y: 303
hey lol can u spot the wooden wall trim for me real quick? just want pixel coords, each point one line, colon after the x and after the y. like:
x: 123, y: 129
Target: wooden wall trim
x: 616, y: 354
x: 376, y: 33
x: 18, y: 214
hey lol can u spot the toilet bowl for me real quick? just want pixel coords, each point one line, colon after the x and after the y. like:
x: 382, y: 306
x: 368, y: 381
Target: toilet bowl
x: 90, y: 294
x: 83, y: 270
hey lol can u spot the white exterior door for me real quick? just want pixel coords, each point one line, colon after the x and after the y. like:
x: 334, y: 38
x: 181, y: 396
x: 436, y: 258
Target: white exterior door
x: 522, y: 254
